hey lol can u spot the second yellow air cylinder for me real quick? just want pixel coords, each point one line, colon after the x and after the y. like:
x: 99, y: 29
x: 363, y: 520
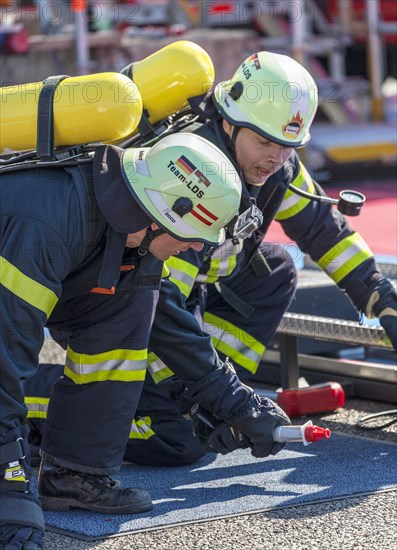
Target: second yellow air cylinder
x: 167, y: 78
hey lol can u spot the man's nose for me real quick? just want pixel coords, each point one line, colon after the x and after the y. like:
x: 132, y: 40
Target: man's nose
x: 279, y: 154
x: 276, y: 154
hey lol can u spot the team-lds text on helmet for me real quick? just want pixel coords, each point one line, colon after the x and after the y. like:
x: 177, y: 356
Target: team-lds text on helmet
x: 186, y: 185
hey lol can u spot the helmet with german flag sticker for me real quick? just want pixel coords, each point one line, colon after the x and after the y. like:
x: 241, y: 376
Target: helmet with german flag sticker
x: 186, y: 185
x: 273, y: 95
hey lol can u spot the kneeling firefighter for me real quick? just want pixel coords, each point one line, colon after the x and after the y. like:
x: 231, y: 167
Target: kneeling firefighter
x: 259, y: 119
x: 82, y: 251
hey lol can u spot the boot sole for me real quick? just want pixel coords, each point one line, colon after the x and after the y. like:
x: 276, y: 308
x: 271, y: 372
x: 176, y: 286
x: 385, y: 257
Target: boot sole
x: 51, y: 504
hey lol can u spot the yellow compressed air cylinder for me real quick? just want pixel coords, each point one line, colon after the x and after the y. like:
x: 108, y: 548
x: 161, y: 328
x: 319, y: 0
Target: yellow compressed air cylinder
x: 169, y: 77
x: 98, y: 107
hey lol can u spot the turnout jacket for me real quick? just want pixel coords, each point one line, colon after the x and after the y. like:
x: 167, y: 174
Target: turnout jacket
x: 63, y: 234
x: 320, y: 231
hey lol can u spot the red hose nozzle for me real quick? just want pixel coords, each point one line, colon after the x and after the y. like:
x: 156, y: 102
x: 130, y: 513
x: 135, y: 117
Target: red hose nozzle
x: 315, y: 433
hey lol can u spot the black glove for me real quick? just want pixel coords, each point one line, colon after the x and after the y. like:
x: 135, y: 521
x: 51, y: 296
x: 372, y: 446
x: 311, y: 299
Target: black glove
x: 257, y: 421
x: 20, y: 537
x: 382, y: 303
x: 221, y: 392
x: 216, y: 436
x: 223, y: 395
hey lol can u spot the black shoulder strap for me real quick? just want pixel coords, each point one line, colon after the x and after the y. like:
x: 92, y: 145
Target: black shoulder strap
x: 45, y: 117
x: 88, y: 178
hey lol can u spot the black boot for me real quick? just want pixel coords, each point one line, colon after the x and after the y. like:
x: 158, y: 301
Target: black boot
x: 61, y: 489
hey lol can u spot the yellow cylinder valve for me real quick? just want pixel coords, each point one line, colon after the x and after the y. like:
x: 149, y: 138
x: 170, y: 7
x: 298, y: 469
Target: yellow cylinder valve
x: 92, y: 108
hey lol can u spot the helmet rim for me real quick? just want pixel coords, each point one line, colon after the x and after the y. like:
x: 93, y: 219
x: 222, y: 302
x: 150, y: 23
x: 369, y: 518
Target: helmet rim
x: 284, y: 102
x: 261, y: 132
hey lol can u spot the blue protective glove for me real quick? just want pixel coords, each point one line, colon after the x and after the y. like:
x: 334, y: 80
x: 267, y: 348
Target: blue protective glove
x: 382, y: 303
x: 20, y: 537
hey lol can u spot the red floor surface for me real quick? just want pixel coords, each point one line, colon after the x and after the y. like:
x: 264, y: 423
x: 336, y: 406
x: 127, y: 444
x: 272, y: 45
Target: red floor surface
x: 377, y: 222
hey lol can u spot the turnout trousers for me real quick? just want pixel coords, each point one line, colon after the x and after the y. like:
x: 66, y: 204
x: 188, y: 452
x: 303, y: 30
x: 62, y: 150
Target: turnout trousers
x: 240, y: 329
x: 92, y: 405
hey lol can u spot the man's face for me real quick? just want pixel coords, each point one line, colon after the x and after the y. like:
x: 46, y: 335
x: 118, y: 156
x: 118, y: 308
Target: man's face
x: 257, y: 157
x: 164, y: 246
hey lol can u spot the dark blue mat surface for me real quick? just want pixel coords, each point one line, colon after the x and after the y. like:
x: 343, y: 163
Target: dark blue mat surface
x: 238, y: 483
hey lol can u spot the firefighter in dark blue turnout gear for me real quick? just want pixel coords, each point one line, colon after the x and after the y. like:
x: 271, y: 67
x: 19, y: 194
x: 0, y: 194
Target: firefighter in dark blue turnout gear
x: 240, y: 290
x: 82, y: 251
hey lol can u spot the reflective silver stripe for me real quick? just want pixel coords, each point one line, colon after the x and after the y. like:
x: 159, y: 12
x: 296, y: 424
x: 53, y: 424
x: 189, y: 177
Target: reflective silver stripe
x: 353, y: 251
x: 223, y: 261
x: 342, y: 259
x: 159, y: 370
x: 123, y: 365
x: 292, y: 202
x: 115, y: 364
x: 156, y: 366
x: 140, y: 429
x: 37, y: 407
x: 182, y: 273
x: 182, y: 276
x: 232, y: 341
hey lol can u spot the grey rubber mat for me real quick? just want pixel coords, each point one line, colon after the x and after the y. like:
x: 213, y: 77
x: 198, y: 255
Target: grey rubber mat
x: 237, y: 483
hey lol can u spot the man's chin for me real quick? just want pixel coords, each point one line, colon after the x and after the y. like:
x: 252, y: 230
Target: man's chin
x: 161, y: 257
x: 258, y: 183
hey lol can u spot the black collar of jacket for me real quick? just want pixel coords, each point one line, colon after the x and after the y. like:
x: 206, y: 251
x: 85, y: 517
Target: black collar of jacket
x: 121, y: 211
x: 115, y: 201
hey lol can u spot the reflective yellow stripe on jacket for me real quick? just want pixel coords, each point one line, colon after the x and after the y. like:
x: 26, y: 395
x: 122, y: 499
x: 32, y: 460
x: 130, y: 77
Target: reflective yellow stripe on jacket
x: 37, y: 406
x: 293, y: 203
x: 183, y: 274
x: 32, y: 292
x: 223, y: 262
x: 242, y: 348
x: 345, y: 256
x: 158, y: 369
x: 122, y: 365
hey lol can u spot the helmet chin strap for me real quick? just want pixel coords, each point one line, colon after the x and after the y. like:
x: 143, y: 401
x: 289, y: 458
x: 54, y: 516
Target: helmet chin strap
x: 233, y: 136
x: 228, y: 140
x: 147, y: 239
x: 181, y: 206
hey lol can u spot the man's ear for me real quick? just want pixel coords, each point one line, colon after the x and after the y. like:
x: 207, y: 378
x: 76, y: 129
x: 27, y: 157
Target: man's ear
x: 154, y: 226
x: 227, y: 127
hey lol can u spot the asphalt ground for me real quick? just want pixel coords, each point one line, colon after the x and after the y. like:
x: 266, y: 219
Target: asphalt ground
x: 363, y: 522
